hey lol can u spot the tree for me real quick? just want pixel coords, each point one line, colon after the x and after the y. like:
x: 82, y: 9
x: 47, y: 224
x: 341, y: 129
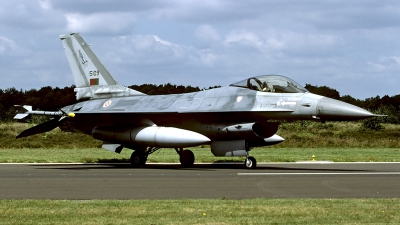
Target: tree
x: 324, y: 91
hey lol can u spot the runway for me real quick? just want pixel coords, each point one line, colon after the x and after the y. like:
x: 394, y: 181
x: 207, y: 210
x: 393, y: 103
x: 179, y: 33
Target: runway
x: 170, y: 181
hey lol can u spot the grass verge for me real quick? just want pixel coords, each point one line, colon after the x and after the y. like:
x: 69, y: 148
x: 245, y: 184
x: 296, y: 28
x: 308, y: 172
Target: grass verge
x: 204, y: 211
x: 302, y: 134
x: 265, y: 154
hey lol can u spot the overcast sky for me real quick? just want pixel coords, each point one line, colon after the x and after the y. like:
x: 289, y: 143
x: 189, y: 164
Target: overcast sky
x: 352, y: 46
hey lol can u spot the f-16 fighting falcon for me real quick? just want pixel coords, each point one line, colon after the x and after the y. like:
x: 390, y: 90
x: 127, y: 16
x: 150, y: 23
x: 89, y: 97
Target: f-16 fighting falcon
x: 231, y: 119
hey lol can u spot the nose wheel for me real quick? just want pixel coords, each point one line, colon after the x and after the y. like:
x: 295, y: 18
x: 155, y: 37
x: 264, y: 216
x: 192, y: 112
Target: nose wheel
x: 250, y: 162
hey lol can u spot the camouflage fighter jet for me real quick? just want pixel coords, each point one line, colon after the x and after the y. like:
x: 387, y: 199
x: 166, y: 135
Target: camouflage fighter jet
x: 231, y: 119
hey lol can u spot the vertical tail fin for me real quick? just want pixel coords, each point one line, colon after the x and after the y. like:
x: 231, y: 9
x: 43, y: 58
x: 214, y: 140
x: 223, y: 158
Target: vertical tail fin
x: 92, y: 79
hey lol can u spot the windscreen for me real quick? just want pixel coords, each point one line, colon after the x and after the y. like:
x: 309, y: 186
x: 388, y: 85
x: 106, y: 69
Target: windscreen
x: 271, y: 83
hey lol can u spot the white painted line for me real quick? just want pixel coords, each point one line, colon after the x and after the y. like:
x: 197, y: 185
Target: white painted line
x: 314, y: 162
x: 283, y: 174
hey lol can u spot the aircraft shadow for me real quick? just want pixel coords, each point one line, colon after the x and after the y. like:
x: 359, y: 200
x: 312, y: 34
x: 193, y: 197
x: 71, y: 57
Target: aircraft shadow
x: 196, y: 167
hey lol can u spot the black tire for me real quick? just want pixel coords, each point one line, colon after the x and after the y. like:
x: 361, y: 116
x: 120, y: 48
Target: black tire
x: 186, y: 158
x: 250, y: 162
x: 138, y: 158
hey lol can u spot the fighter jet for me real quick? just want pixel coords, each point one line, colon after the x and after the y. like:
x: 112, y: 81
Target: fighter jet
x: 231, y: 119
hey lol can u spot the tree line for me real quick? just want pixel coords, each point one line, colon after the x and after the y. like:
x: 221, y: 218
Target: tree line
x: 52, y: 99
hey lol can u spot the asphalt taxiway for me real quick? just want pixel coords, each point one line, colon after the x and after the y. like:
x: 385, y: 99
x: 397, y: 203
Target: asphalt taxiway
x: 170, y: 181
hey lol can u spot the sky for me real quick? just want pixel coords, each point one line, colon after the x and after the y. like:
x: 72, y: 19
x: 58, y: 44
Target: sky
x: 351, y: 46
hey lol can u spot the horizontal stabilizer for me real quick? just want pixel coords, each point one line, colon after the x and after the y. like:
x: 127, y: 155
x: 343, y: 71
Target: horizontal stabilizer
x: 106, y: 91
x: 41, y: 128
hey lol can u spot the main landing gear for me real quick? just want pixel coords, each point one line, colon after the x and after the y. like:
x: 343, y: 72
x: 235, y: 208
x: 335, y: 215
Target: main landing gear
x: 139, y: 156
x: 186, y: 157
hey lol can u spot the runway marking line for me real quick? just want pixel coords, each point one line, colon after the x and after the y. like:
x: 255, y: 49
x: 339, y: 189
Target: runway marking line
x: 275, y: 174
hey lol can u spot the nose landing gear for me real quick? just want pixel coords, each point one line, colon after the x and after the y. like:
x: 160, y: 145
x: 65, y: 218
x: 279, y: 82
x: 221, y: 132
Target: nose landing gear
x: 250, y: 162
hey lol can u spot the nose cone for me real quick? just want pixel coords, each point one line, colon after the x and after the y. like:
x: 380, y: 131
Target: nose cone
x: 331, y: 109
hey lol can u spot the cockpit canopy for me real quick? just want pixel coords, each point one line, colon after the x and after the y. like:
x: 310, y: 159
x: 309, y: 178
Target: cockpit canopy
x: 271, y: 83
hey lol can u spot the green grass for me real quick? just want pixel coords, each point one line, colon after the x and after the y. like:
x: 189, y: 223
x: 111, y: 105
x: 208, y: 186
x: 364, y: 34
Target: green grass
x: 297, y: 135
x: 335, y: 141
x: 339, y: 142
x: 305, y: 134
x: 266, y: 154
x: 204, y: 211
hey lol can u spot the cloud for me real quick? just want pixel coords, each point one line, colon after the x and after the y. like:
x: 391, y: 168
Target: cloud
x: 384, y: 64
x: 206, y: 35
x: 348, y: 45
x: 45, y: 4
x: 192, y: 10
x: 242, y: 37
x: 112, y: 23
x: 101, y: 6
x: 356, y: 15
x: 150, y: 50
x: 7, y: 46
x: 29, y: 15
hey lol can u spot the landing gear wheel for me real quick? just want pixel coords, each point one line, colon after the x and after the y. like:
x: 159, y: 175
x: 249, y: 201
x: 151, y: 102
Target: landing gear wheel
x: 186, y: 157
x: 138, y: 158
x: 250, y: 162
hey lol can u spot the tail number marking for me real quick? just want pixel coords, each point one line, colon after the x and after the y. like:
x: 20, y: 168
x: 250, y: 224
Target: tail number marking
x: 93, y: 73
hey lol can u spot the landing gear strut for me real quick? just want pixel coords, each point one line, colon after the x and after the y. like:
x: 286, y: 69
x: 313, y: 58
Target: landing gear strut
x: 186, y: 157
